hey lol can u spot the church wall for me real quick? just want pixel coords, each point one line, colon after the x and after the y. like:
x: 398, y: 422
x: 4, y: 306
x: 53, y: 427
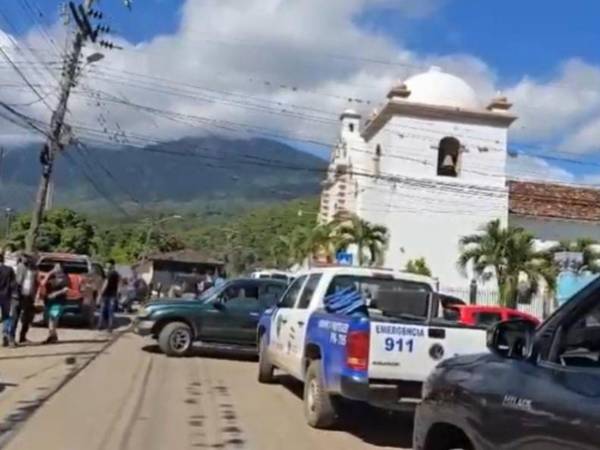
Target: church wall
x: 427, y: 214
x: 546, y: 229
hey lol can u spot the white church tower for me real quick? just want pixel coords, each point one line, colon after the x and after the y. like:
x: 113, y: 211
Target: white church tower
x: 435, y: 158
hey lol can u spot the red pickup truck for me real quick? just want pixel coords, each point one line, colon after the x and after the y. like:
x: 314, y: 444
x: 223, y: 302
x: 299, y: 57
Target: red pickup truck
x: 85, y: 281
x: 483, y: 316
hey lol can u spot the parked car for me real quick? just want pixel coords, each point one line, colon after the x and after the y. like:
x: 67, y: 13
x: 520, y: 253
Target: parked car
x: 381, y: 357
x: 227, y: 314
x: 538, y: 388
x: 83, y: 283
x: 484, y: 316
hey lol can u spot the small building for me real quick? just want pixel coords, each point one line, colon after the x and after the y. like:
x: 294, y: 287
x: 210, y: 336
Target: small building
x: 165, y: 268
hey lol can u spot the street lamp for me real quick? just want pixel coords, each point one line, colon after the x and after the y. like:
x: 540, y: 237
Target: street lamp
x: 151, y: 229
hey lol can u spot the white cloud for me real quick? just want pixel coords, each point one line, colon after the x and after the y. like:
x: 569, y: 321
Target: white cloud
x: 314, y: 45
x: 531, y: 168
x: 559, y: 110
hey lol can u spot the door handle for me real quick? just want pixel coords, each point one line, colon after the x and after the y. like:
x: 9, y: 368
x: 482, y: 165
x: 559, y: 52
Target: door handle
x: 254, y: 314
x: 301, y: 323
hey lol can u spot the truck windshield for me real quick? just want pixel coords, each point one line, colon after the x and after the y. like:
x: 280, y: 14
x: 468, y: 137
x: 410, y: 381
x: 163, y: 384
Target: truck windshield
x: 387, y: 294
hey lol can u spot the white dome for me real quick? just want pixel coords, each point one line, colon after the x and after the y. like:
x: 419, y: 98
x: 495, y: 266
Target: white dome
x: 435, y: 87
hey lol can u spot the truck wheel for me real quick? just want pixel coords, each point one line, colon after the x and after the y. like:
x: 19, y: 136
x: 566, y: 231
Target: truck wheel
x: 318, y: 406
x: 265, y: 368
x: 175, y: 339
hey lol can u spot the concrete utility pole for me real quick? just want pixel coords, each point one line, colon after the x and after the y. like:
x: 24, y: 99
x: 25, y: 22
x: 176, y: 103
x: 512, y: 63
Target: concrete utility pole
x: 53, y: 142
x: 59, y: 132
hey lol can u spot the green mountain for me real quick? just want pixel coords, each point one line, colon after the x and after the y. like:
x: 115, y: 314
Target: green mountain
x: 207, y: 173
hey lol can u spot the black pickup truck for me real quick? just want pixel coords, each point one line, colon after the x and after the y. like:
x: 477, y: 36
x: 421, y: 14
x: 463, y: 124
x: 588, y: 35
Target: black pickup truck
x: 536, y: 388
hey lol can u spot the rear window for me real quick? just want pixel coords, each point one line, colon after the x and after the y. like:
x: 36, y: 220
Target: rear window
x: 487, y: 318
x: 451, y: 314
x: 74, y: 267
x: 386, y: 291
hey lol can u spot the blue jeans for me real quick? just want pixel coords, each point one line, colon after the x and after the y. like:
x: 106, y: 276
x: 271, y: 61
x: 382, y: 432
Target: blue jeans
x: 6, y: 319
x: 107, y: 312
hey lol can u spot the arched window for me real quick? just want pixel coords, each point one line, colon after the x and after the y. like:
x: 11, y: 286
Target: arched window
x: 351, y: 127
x: 448, y: 164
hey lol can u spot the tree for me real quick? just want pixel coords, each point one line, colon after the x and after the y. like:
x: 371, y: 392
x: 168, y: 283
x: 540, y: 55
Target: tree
x: 509, y: 254
x: 62, y: 230
x: 589, y: 250
x: 369, y: 239
x: 418, y: 266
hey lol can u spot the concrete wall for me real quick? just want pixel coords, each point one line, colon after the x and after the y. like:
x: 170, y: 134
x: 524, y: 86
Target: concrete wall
x: 556, y: 230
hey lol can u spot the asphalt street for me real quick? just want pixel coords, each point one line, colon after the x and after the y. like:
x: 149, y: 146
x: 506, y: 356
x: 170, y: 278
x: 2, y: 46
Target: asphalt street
x: 132, y: 397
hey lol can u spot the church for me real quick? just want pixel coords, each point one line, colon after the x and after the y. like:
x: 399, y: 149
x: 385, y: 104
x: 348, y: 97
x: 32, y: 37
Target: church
x: 430, y: 165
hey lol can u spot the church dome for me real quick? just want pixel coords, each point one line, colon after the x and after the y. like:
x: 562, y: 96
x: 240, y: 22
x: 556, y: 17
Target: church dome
x: 439, y: 88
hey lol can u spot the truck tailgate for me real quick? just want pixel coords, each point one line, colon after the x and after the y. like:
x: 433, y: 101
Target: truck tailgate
x: 400, y: 351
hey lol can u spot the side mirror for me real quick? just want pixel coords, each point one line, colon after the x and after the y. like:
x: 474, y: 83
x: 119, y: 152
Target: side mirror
x: 512, y: 338
x: 219, y: 304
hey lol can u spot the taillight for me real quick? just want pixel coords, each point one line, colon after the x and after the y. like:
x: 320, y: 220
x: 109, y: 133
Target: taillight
x: 357, y: 350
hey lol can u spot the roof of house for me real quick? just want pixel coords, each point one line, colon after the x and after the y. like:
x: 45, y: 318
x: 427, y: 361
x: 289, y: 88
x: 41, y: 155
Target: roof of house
x: 186, y: 256
x: 558, y: 201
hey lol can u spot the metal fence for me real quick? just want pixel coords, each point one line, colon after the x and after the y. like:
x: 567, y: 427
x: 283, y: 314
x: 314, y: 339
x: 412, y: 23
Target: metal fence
x: 540, y: 305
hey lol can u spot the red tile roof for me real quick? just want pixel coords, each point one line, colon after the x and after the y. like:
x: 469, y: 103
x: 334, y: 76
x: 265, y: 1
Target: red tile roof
x: 554, y: 201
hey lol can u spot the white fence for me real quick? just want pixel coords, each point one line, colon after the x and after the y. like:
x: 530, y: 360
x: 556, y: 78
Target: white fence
x: 540, y: 306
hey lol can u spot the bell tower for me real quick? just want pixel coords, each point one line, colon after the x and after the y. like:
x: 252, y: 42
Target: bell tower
x: 439, y: 169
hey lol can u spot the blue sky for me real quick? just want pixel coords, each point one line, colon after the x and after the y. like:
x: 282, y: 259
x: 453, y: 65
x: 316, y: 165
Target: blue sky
x: 542, y: 53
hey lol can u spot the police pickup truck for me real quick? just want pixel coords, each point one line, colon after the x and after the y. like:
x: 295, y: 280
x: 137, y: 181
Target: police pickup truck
x: 378, y: 347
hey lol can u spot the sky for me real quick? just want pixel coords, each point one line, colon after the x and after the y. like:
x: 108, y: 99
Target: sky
x: 286, y: 68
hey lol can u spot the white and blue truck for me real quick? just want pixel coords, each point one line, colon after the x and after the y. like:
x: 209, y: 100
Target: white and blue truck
x: 359, y: 334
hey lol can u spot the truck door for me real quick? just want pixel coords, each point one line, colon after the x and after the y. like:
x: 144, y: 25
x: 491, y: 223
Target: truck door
x: 279, y: 333
x: 553, y: 403
x: 298, y: 321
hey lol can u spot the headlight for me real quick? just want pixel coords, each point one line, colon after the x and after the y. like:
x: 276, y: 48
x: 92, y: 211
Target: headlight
x: 144, y: 312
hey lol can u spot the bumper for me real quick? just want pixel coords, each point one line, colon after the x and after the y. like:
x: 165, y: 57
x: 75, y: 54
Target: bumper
x: 401, y: 396
x: 143, y: 327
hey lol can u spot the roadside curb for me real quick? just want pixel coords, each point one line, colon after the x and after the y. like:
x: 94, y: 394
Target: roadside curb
x: 10, y: 426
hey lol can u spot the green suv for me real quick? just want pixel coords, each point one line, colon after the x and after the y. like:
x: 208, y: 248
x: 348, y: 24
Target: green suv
x: 227, y: 314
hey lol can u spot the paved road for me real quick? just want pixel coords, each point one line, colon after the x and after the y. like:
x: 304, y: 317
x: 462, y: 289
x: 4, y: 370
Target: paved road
x: 132, y: 397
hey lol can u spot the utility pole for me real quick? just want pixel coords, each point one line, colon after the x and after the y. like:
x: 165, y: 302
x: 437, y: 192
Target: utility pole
x: 58, y: 130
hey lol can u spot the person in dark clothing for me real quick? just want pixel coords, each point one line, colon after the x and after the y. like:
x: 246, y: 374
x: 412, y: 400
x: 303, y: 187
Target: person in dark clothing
x: 109, y: 297
x: 56, y: 286
x: 26, y: 277
x: 8, y: 293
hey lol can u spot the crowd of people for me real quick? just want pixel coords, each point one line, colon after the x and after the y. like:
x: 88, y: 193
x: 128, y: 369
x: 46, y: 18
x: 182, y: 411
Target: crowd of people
x: 21, y: 288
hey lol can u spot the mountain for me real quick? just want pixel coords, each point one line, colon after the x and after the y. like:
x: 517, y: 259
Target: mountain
x: 208, y: 172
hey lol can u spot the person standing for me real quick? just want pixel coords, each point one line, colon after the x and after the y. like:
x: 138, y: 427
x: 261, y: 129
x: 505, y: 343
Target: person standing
x: 8, y: 293
x: 26, y: 278
x: 109, y: 297
x: 56, y: 287
x: 221, y: 277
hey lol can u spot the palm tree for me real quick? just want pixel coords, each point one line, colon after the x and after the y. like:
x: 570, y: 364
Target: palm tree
x: 370, y: 240
x: 509, y: 254
x: 585, y: 246
x: 292, y: 248
x: 418, y: 266
x: 322, y: 240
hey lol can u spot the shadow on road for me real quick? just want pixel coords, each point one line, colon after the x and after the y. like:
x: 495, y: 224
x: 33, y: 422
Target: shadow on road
x: 77, y: 323
x: 47, y: 355
x: 372, y: 425
x: 234, y: 354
